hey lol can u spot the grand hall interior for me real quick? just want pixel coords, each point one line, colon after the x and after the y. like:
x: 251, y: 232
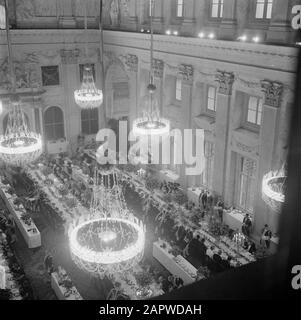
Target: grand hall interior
x: 149, y: 149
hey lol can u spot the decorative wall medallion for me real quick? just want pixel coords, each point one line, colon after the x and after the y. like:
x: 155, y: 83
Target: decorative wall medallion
x: 273, y: 93
x: 225, y: 80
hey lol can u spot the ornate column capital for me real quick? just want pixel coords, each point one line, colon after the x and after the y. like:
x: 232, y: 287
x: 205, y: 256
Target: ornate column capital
x: 273, y: 93
x: 131, y: 62
x: 69, y: 56
x: 185, y: 72
x: 158, y: 67
x: 225, y: 80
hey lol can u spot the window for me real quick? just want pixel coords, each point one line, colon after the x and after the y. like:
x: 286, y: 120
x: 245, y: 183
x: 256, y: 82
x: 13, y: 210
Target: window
x: 2, y: 18
x: 50, y: 76
x: 264, y: 9
x: 89, y: 118
x: 247, y: 183
x: 179, y: 89
x: 180, y: 8
x: 211, y: 99
x: 121, y: 90
x: 54, y: 124
x: 217, y: 8
x: 254, y: 111
x: 81, y: 71
x: 207, y: 175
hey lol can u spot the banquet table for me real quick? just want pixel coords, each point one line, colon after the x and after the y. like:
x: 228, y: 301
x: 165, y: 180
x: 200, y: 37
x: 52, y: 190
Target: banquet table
x: 130, y: 286
x: 61, y: 292
x: 193, y: 195
x: 234, y: 219
x: 177, y: 266
x: 168, y: 176
x: 30, y: 233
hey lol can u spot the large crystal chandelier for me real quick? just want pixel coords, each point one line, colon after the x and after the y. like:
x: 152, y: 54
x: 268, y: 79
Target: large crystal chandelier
x: 88, y: 96
x: 111, y: 240
x: 18, y: 145
x: 274, y: 188
x: 150, y: 122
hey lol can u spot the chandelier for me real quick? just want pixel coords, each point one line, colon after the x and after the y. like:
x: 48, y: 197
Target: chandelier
x: 18, y: 145
x: 88, y: 96
x: 150, y: 122
x: 111, y: 240
x: 274, y: 188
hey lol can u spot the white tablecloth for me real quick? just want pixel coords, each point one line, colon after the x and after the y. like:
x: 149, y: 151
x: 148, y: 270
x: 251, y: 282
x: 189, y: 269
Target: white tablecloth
x: 31, y: 234
x: 168, y: 176
x: 168, y: 261
x: 233, y: 219
x: 61, y: 291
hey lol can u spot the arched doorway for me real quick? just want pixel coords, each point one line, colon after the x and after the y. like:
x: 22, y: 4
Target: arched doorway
x: 54, y: 124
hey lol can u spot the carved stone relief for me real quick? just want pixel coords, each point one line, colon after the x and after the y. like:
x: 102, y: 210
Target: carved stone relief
x: 225, y: 80
x: 27, y: 72
x: 185, y: 72
x: 273, y: 93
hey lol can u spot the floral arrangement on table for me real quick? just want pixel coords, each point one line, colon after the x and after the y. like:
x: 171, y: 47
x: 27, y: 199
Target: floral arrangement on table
x: 180, y: 197
x: 48, y: 182
x: 163, y: 214
x: 151, y: 183
x: 17, y: 202
x: 26, y: 218
x: 70, y: 203
x: 203, y: 272
x: 46, y: 171
x: 146, y: 204
x: 143, y: 279
x: 128, y: 167
x: 63, y: 190
x: 217, y: 228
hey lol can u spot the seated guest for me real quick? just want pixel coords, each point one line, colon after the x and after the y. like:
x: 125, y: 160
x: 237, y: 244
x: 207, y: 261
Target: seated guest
x: 48, y: 263
x: 226, y: 264
x: 179, y: 282
x: 210, y: 252
x: 202, y: 250
x: 194, y: 245
x: 203, y: 247
x: 247, y: 225
x: 217, y: 257
x: 180, y: 235
x: 165, y: 284
x: 252, y: 248
x: 188, y: 237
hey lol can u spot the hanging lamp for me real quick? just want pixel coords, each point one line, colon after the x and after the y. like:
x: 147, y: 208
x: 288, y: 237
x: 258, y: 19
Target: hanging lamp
x: 18, y: 145
x: 88, y: 96
x: 150, y: 122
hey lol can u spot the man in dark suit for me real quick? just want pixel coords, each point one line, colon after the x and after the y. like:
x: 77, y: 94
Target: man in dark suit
x: 217, y: 259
